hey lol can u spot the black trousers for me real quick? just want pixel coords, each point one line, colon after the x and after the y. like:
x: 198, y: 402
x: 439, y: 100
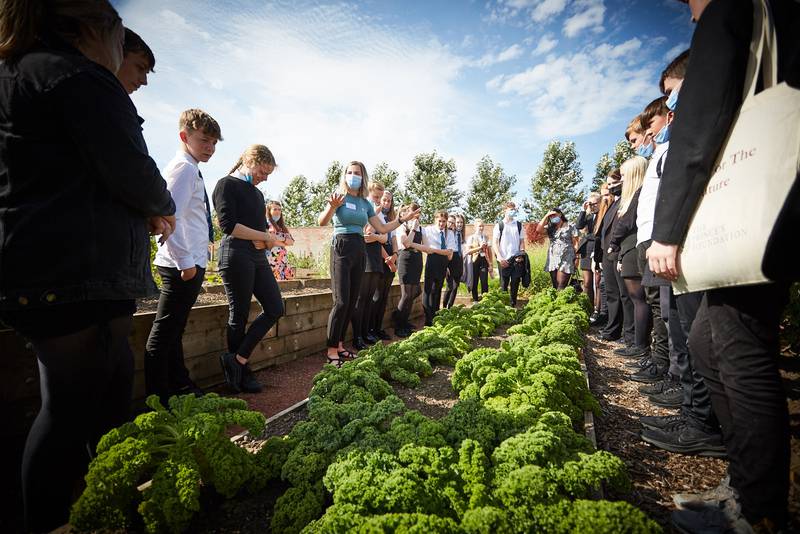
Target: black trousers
x: 454, y: 271
x: 620, y: 307
x: 246, y: 274
x: 347, y: 268
x: 480, y: 273
x: 734, y: 343
x: 164, y: 371
x: 511, y: 276
x: 86, y: 380
x: 435, y: 272
x: 384, y: 286
x: 365, y: 304
x: 696, y: 397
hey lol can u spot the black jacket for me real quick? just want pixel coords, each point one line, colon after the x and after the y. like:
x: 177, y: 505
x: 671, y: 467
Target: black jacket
x: 605, y: 231
x: 624, y: 229
x: 76, y: 184
x: 585, y: 245
x: 710, y: 97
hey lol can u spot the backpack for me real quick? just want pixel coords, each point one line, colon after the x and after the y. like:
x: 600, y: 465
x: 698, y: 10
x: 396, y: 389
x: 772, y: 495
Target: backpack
x: 502, y: 225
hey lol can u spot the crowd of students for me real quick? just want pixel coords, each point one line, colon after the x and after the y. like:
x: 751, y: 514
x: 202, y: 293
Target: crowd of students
x: 67, y: 70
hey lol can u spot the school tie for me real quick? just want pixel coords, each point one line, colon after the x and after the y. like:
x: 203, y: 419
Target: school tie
x: 443, y: 243
x: 208, y: 211
x: 458, y: 241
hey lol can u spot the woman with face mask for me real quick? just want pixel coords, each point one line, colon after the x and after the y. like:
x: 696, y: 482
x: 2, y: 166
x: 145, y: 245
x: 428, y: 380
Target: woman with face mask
x: 455, y: 269
x: 278, y: 257
x: 350, y: 211
x: 243, y: 263
x: 563, y: 241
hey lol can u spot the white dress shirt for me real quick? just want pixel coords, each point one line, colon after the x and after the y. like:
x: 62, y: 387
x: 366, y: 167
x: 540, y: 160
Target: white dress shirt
x: 188, y: 244
x: 508, y: 247
x: 431, y: 236
x: 646, y: 211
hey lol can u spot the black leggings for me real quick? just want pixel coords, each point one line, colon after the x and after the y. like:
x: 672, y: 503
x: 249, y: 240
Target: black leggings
x: 384, y: 285
x: 642, y: 313
x: 86, y: 381
x: 454, y: 271
x: 347, y: 268
x: 245, y: 274
x: 365, y: 305
x: 408, y: 294
x: 480, y: 273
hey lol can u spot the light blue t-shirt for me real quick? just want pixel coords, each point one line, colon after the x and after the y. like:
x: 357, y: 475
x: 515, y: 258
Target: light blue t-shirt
x: 352, y: 216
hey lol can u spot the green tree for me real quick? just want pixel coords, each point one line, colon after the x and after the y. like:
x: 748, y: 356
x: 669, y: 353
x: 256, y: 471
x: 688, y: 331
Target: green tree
x: 601, y: 171
x: 622, y: 152
x: 556, y: 182
x: 390, y: 179
x: 295, y: 201
x: 320, y: 191
x: 489, y: 189
x: 432, y: 184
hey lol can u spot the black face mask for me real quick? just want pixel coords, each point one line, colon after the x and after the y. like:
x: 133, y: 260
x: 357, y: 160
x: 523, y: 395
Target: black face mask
x: 615, y: 190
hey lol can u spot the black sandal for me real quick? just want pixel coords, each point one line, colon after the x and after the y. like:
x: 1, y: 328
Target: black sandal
x: 347, y: 355
x: 336, y: 362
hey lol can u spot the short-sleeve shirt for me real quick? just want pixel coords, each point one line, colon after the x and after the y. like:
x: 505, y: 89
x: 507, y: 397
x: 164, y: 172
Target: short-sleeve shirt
x: 352, y: 216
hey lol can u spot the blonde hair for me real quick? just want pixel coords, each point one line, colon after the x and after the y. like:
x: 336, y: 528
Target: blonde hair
x: 633, y: 176
x: 635, y: 126
x: 252, y: 156
x: 23, y: 22
x: 362, y: 190
x: 198, y: 120
x: 376, y: 186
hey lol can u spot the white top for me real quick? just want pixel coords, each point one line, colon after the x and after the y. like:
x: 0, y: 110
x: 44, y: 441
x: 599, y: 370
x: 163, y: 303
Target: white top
x: 509, y: 245
x: 431, y: 236
x: 452, y: 242
x: 646, y: 211
x: 188, y: 244
x: 401, y: 231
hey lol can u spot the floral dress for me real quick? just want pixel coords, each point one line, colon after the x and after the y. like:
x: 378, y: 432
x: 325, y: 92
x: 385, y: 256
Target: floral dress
x: 561, y: 253
x: 279, y: 258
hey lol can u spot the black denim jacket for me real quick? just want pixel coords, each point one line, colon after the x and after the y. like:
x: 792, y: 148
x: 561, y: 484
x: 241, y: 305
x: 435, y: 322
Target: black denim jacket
x: 76, y: 184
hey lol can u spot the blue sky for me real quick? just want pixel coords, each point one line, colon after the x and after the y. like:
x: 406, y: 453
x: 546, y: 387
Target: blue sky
x: 385, y: 80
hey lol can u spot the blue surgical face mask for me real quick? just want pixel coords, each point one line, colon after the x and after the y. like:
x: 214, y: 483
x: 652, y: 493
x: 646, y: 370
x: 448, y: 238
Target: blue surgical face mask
x: 512, y: 214
x: 555, y: 220
x: 246, y: 177
x: 672, y: 100
x: 663, y: 134
x: 645, y: 150
x: 276, y: 218
x: 353, y: 181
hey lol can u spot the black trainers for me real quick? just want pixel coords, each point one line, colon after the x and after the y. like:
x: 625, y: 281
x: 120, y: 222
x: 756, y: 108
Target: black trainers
x: 724, y: 517
x: 359, y: 344
x: 685, y: 438
x: 671, y: 397
x: 402, y: 332
x: 657, y: 422
x: 370, y: 338
x: 250, y: 383
x: 657, y: 387
x: 381, y: 334
x: 716, y: 496
x: 641, y: 363
x: 648, y: 375
x: 632, y: 352
x: 609, y: 337
x: 232, y: 371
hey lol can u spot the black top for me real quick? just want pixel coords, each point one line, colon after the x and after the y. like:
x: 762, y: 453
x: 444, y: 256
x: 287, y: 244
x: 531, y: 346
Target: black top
x: 76, y: 184
x: 586, y: 221
x: 605, y: 230
x: 239, y: 202
x: 625, y: 227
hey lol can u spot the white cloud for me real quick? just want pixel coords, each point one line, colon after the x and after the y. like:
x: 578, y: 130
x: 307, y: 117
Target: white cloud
x: 673, y: 52
x: 580, y: 93
x: 487, y: 60
x: 588, y: 15
x: 546, y: 44
x: 312, y: 84
x: 546, y: 9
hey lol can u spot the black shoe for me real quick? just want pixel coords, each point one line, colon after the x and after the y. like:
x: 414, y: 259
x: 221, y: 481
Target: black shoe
x: 727, y: 519
x: 608, y: 337
x: 658, y: 387
x: 632, y: 352
x: 685, y: 438
x: 671, y: 397
x: 411, y: 328
x: 359, y: 344
x: 641, y: 363
x: 593, y: 317
x: 402, y: 332
x: 189, y: 389
x: 600, y: 320
x: 370, y: 338
x: 232, y: 371
x: 658, y: 422
x: 250, y: 383
x: 381, y: 334
x: 648, y: 375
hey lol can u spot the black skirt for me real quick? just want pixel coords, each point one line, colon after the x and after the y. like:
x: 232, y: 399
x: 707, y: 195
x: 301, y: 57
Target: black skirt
x: 375, y: 261
x: 409, y: 266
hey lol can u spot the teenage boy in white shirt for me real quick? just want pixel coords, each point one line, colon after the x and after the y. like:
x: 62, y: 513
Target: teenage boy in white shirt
x: 181, y: 261
x: 436, y: 236
x: 508, y: 245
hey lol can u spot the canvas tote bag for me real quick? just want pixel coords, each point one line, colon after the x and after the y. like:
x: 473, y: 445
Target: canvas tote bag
x: 756, y: 168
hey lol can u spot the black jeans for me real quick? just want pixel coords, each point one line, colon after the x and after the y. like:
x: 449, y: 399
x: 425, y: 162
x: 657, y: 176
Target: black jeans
x: 696, y: 397
x: 735, y: 346
x: 365, y: 304
x: 480, y: 272
x: 454, y: 271
x: 347, y: 267
x: 620, y: 307
x: 435, y: 272
x: 86, y: 381
x: 164, y: 371
x: 384, y: 286
x: 246, y: 274
x: 511, y: 276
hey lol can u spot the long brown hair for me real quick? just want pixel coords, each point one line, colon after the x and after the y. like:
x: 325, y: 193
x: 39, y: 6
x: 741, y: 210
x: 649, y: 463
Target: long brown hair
x: 279, y: 224
x: 391, y: 215
x: 22, y: 22
x: 252, y: 156
x: 362, y: 191
x: 408, y: 208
